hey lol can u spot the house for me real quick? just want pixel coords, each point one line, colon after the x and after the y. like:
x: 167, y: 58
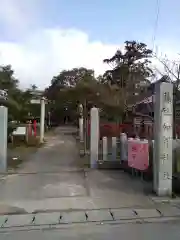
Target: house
x: 142, y: 112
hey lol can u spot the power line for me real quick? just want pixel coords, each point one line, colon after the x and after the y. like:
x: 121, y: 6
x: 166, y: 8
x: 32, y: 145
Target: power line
x: 156, y: 22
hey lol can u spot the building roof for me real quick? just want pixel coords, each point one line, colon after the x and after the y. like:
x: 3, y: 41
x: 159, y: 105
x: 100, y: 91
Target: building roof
x: 37, y: 92
x: 164, y: 78
x: 151, y: 89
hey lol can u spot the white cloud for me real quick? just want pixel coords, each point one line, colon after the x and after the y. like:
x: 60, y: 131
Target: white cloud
x: 42, y: 53
x: 46, y: 52
x: 18, y: 16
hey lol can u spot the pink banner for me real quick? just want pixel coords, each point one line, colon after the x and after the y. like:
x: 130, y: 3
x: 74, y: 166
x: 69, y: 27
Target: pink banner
x: 138, y: 154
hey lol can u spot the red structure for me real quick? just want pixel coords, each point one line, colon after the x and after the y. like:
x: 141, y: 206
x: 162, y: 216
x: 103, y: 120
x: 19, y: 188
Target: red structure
x: 110, y: 129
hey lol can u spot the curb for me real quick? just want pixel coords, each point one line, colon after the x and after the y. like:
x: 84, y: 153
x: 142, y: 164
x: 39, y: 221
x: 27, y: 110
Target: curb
x: 84, y: 217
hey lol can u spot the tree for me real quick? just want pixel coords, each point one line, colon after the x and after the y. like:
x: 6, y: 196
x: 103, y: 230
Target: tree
x: 111, y: 91
x: 33, y: 87
x: 68, y: 88
x: 171, y: 68
x: 7, y: 80
x: 110, y: 101
x: 9, y: 83
x: 130, y: 69
x: 18, y: 100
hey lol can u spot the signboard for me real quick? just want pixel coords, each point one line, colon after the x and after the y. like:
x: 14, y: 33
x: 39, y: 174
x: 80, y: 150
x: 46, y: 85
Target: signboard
x: 19, y: 131
x: 37, y: 101
x: 138, y: 154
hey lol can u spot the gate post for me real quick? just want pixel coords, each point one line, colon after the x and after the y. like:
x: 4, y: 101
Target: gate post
x: 94, y: 137
x: 42, y: 119
x: 3, y: 138
x: 105, y: 148
x: 114, y: 149
x: 123, y: 147
x: 163, y: 130
x: 81, y: 120
x: 81, y: 129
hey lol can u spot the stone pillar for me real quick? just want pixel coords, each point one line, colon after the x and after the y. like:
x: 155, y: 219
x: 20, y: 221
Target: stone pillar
x: 94, y: 137
x: 49, y: 119
x: 163, y: 130
x: 81, y: 121
x: 114, y: 149
x: 42, y: 120
x: 105, y: 148
x: 81, y: 129
x: 3, y: 138
x: 123, y: 147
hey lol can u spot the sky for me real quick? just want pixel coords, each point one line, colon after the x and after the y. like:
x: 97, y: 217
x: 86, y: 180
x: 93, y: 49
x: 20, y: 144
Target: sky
x: 39, y: 38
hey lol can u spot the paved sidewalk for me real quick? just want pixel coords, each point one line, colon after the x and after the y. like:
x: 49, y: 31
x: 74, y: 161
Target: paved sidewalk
x: 101, y: 216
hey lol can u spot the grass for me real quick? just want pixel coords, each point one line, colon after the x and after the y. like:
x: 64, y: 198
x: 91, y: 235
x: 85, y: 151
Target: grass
x: 18, y: 154
x: 19, y: 151
x: 83, y: 161
x: 49, y: 132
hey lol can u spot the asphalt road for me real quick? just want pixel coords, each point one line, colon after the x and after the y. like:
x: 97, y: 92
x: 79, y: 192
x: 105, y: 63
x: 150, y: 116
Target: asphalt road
x: 156, y: 231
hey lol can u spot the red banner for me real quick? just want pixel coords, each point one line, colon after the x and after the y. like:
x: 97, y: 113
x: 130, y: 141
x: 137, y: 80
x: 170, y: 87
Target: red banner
x: 138, y: 154
x: 110, y: 129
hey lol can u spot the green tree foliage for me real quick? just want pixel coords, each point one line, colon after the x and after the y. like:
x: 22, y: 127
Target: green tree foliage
x: 112, y: 91
x: 67, y: 79
x: 130, y: 68
x: 69, y: 88
x: 18, y: 100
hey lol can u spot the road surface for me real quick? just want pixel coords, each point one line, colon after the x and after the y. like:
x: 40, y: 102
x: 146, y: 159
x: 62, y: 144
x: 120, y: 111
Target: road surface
x: 105, y: 203
x: 165, y: 231
x: 52, y: 180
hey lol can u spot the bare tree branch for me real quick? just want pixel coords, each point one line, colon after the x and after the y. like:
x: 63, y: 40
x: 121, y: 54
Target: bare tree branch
x: 169, y: 70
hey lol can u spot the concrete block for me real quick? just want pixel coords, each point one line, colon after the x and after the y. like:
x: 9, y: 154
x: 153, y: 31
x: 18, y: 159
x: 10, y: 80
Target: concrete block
x: 3, y: 219
x: 160, y: 220
x: 19, y: 220
x: 73, y: 217
x: 169, y: 211
x: 147, y: 213
x: 99, y: 215
x: 123, y: 214
x: 47, y: 218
